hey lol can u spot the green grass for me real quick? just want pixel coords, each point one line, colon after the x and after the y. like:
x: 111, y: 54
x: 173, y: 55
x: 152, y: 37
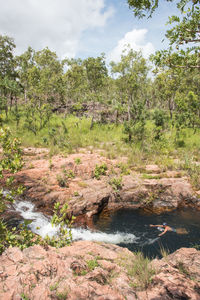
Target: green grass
x: 92, y: 264
x: 148, y: 176
x: 54, y: 287
x: 142, y: 270
x: 139, y: 269
x: 164, y: 251
x: 68, y: 134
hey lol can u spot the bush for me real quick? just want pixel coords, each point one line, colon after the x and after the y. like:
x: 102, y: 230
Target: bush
x: 100, y: 170
x: 62, y: 180
x: 116, y: 183
x: 60, y: 219
x: 77, y: 161
x: 92, y: 264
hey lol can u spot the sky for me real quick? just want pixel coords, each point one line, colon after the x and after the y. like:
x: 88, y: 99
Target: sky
x: 83, y: 28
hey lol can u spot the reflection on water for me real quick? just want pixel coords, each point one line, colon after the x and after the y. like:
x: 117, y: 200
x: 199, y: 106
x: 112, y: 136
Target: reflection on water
x: 137, y: 222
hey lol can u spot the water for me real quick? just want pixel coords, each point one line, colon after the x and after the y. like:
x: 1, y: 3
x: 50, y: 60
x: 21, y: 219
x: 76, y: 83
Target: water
x: 126, y: 227
x: 137, y: 222
x: 41, y: 225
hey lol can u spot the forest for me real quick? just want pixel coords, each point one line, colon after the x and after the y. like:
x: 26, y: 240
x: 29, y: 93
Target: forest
x: 146, y: 109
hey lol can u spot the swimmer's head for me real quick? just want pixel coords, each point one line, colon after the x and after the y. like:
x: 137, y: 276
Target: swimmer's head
x: 164, y: 224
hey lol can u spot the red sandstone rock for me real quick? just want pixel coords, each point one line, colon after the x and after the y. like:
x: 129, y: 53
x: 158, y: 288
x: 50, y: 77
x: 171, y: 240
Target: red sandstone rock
x: 88, y: 196
x: 64, y: 273
x: 152, y: 169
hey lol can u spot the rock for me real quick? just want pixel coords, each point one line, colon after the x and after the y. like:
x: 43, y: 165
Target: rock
x: 79, y: 267
x: 67, y: 273
x: 177, y: 276
x: 98, y: 275
x: 88, y: 196
x: 47, y: 274
x: 152, y: 169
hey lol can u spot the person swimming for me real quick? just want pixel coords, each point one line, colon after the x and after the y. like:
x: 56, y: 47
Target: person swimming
x: 164, y: 227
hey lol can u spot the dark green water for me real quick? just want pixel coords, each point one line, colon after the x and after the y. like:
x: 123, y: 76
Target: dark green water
x: 137, y: 222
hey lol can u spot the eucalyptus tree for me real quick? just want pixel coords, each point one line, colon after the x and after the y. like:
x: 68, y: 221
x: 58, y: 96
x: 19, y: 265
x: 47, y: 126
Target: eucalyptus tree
x: 188, y: 110
x: 7, y: 60
x: 47, y: 77
x: 41, y: 75
x: 166, y: 84
x: 184, y: 37
x: 75, y: 80
x: 187, y: 100
x: 8, y: 74
x: 25, y: 63
x: 97, y: 74
x: 131, y: 80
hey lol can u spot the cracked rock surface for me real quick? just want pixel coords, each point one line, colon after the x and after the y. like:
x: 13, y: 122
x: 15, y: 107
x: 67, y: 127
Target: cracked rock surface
x: 88, y: 270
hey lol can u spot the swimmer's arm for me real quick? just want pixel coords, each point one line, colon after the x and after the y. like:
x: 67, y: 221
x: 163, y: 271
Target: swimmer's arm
x: 156, y: 225
x: 163, y: 232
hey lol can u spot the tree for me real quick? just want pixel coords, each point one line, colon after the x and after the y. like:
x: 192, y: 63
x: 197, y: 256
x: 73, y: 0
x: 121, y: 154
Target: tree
x: 7, y: 61
x: 96, y: 73
x: 143, y: 8
x: 24, y: 64
x: 184, y: 51
x: 131, y: 81
x: 188, y: 110
x: 166, y: 84
x: 41, y: 75
x: 50, y: 71
x: 75, y: 80
x: 8, y: 74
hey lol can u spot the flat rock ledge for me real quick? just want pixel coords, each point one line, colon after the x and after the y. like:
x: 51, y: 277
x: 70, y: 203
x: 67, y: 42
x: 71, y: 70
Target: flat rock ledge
x: 149, y: 188
x: 88, y: 270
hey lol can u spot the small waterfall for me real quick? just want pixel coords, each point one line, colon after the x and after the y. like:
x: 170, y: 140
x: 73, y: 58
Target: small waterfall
x: 41, y: 225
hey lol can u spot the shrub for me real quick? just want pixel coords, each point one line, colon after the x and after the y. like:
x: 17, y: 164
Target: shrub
x: 124, y: 168
x: 77, y: 161
x: 62, y: 180
x: 69, y: 174
x: 76, y: 194
x: 60, y: 219
x: 116, y: 183
x: 100, y: 170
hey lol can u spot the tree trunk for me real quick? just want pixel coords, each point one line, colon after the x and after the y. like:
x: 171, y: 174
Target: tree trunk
x: 129, y: 114
x: 11, y: 102
x: 171, y: 107
x: 92, y: 123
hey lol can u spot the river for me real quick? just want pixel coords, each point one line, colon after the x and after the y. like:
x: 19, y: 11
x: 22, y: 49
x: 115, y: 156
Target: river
x: 126, y: 227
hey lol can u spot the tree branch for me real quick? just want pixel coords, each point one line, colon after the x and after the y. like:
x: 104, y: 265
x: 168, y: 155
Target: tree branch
x: 190, y: 41
x: 178, y: 66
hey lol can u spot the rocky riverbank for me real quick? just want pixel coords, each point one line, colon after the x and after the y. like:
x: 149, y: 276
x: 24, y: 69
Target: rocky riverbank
x: 75, y: 179
x: 88, y: 270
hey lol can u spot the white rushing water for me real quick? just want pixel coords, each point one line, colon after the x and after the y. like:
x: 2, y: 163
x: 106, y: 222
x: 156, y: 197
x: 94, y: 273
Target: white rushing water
x: 42, y: 225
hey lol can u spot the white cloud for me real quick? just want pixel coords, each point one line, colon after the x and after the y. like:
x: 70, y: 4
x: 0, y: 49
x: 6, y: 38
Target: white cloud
x: 57, y: 24
x: 136, y: 40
